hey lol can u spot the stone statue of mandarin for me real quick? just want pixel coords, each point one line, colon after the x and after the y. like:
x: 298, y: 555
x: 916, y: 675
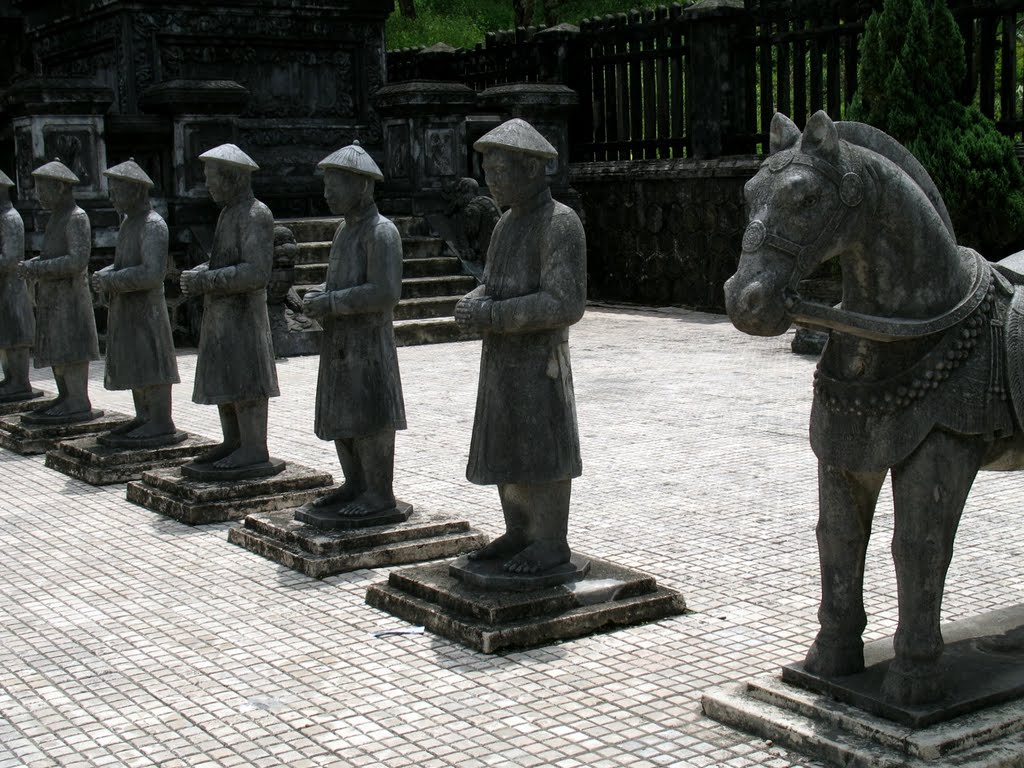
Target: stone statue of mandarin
x: 235, y: 368
x: 17, y: 322
x: 65, y: 338
x: 140, y: 348
x: 525, y: 435
x: 359, y: 401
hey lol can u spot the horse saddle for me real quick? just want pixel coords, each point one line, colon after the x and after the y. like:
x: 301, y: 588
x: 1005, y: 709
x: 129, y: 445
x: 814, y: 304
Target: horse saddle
x: 1009, y: 273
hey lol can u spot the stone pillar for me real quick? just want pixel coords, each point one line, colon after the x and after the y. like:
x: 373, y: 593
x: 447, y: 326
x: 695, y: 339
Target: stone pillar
x: 204, y: 115
x: 547, y: 107
x: 715, y: 77
x: 425, y: 143
x: 59, y: 117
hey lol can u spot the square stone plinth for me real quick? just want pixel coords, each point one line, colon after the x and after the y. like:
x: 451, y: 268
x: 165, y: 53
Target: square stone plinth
x: 494, y: 620
x: 196, y: 502
x: 39, y: 399
x: 27, y: 439
x: 87, y: 460
x: 845, y: 720
x: 319, y: 553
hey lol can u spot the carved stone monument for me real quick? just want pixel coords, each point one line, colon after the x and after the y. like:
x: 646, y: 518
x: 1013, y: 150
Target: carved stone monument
x: 525, y: 436
x: 359, y: 404
x: 292, y: 331
x: 65, y: 327
x: 140, y: 350
x: 235, y: 366
x: 920, y: 380
x: 17, y: 320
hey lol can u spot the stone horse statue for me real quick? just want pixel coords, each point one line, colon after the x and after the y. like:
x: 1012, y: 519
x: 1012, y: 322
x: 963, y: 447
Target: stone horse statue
x: 921, y: 376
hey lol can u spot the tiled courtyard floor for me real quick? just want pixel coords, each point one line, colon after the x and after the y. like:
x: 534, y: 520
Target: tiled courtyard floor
x: 129, y: 639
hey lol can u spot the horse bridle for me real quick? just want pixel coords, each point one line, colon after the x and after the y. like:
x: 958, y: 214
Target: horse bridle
x: 806, y: 256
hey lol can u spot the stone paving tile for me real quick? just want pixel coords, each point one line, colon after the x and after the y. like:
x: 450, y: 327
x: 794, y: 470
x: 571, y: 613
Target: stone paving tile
x: 130, y: 639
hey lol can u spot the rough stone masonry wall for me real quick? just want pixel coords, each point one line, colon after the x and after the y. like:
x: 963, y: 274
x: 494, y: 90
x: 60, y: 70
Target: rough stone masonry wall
x: 663, y: 231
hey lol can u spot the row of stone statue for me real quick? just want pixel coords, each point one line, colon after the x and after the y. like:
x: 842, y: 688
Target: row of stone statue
x: 525, y: 438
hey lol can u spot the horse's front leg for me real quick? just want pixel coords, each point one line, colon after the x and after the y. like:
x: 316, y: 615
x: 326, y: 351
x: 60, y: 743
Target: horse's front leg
x: 929, y: 491
x: 846, y: 504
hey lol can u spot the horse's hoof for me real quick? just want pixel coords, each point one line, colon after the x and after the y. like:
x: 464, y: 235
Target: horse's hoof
x: 828, y: 658
x: 907, y: 685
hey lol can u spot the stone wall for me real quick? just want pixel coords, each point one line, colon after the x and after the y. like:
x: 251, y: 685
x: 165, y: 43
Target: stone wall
x: 663, y: 232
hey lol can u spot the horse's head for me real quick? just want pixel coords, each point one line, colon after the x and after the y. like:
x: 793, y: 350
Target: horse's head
x: 797, y: 203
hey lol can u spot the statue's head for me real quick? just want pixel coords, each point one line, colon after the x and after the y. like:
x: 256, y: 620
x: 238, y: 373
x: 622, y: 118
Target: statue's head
x: 228, y: 173
x: 5, y: 188
x: 129, y: 186
x: 350, y: 175
x: 54, y: 184
x: 515, y: 160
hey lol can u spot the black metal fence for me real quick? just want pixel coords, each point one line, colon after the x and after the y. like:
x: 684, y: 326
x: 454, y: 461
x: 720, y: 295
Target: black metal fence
x: 685, y: 81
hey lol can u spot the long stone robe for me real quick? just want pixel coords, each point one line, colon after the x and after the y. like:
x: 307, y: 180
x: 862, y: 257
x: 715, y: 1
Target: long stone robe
x: 525, y: 429
x: 236, y: 352
x: 65, y: 323
x: 140, y: 347
x: 359, y: 388
x: 17, y: 321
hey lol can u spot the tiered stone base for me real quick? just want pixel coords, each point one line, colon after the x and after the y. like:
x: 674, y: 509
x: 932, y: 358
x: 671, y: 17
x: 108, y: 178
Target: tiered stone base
x: 196, y: 502
x: 494, y: 620
x: 846, y: 721
x: 24, y: 404
x: 25, y: 438
x: 321, y: 553
x: 88, y: 460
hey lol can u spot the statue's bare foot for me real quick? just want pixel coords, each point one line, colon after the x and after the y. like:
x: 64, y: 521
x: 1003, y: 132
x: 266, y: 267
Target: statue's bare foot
x: 829, y: 657
x: 336, y: 498
x: 68, y: 408
x: 216, y: 453
x: 128, y: 426
x: 243, y: 457
x: 366, y: 504
x: 505, y: 545
x: 540, y: 556
x: 909, y: 684
x: 151, y: 429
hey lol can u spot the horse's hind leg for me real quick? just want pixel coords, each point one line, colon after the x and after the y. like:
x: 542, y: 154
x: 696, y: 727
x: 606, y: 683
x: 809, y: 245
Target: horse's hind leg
x: 846, y: 504
x: 929, y: 491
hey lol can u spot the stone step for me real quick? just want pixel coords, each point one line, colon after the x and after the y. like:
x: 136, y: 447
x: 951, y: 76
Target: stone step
x: 435, y: 306
x: 445, y: 285
x: 319, y: 229
x: 413, y: 247
x: 442, y: 265
x: 410, y: 333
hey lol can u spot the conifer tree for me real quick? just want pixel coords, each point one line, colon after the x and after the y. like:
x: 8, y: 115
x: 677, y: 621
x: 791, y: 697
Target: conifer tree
x: 912, y: 60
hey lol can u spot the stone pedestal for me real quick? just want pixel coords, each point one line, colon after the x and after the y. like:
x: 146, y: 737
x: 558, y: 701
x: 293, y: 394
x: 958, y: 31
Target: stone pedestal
x: 321, y: 553
x: 28, y: 404
x: 26, y: 438
x: 490, y: 620
x: 845, y: 720
x: 92, y: 462
x: 196, y: 502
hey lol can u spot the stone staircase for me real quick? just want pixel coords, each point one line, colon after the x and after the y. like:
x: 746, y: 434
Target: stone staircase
x: 432, y: 279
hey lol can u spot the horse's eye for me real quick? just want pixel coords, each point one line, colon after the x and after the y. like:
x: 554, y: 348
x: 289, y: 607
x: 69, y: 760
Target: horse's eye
x: 810, y: 201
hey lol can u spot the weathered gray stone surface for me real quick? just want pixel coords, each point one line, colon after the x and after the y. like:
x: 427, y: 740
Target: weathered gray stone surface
x: 293, y: 333
x: 17, y: 320
x: 196, y: 502
x: 319, y: 553
x: 844, y: 720
x: 26, y: 438
x: 491, y: 621
x: 21, y: 406
x: 87, y: 459
x: 525, y: 435
x: 919, y: 380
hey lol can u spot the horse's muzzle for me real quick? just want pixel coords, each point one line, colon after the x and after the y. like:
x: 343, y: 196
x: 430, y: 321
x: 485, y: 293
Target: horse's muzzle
x: 755, y: 306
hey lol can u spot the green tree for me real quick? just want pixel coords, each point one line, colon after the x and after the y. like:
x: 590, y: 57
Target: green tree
x: 912, y: 61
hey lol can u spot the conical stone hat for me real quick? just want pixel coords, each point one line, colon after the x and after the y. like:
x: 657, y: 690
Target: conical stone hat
x: 229, y: 154
x: 5, y: 180
x: 55, y: 169
x: 129, y: 171
x: 352, y: 158
x: 516, y: 135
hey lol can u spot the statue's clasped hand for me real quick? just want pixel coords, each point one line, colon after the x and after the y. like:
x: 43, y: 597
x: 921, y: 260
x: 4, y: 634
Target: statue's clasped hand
x: 316, y: 306
x: 191, y: 281
x: 26, y: 269
x: 474, y: 313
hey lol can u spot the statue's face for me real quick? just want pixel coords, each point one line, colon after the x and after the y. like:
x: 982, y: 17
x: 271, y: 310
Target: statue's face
x: 50, y: 192
x: 224, y: 183
x: 511, y: 176
x: 344, y: 191
x: 125, y: 195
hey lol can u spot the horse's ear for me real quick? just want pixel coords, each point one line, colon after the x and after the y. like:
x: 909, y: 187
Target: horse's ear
x: 784, y: 134
x: 821, y: 137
